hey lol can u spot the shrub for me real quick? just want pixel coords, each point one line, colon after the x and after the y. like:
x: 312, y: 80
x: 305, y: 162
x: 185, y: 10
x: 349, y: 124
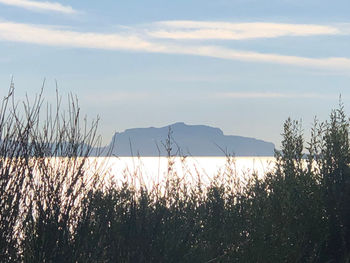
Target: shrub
x: 55, y: 207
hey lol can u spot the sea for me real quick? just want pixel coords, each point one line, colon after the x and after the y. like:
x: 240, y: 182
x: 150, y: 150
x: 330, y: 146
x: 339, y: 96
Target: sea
x: 150, y: 171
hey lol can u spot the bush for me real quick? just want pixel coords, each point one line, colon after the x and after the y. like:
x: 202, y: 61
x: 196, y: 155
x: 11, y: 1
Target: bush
x: 42, y: 167
x: 54, y: 207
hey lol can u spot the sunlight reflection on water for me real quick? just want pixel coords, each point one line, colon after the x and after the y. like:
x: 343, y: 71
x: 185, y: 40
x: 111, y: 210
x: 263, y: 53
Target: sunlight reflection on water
x: 153, y: 170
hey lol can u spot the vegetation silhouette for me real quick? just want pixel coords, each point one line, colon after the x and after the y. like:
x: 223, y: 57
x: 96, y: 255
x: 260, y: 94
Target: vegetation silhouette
x: 56, y: 207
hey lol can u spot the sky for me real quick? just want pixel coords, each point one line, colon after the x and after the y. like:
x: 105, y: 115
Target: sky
x: 244, y: 66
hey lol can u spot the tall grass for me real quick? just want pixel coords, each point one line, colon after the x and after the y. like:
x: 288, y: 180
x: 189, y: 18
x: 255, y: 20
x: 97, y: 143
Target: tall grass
x: 56, y: 207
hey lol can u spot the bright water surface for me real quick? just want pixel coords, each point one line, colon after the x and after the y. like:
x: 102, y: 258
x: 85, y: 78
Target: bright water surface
x: 151, y: 170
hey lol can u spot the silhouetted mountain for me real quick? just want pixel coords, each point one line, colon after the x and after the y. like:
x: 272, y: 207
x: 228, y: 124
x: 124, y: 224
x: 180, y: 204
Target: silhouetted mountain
x: 196, y: 140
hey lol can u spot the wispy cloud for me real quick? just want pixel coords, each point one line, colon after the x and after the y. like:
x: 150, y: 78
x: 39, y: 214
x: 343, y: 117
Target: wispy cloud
x: 338, y: 63
x: 40, y: 6
x: 235, y: 31
x: 270, y: 95
x: 34, y: 34
x: 132, y: 42
x: 115, y: 96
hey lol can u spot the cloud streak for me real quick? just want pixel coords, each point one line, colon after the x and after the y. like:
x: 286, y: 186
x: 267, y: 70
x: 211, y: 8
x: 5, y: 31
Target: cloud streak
x: 202, y: 30
x: 40, y: 6
x: 270, y: 95
x: 34, y: 34
x: 113, y: 97
x: 337, y: 63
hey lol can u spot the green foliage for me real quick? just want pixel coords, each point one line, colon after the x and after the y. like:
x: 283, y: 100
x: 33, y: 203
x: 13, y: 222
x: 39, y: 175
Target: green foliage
x: 299, y: 212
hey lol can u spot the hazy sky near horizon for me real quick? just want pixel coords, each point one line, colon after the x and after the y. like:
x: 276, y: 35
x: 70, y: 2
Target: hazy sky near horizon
x: 241, y: 65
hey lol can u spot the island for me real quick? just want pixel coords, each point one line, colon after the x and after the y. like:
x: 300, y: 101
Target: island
x: 185, y: 140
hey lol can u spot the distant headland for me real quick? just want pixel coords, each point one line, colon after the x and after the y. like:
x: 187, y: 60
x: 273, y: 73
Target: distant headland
x: 192, y: 140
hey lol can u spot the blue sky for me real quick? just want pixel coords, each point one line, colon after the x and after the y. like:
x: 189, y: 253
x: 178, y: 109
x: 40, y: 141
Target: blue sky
x: 241, y: 65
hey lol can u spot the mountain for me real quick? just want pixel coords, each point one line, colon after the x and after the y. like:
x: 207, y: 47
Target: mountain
x: 195, y: 140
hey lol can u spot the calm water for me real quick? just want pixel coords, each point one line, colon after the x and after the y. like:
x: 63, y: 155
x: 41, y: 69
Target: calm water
x: 151, y: 170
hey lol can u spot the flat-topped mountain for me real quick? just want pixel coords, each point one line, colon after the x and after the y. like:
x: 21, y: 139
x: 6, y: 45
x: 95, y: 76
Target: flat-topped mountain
x: 195, y: 140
